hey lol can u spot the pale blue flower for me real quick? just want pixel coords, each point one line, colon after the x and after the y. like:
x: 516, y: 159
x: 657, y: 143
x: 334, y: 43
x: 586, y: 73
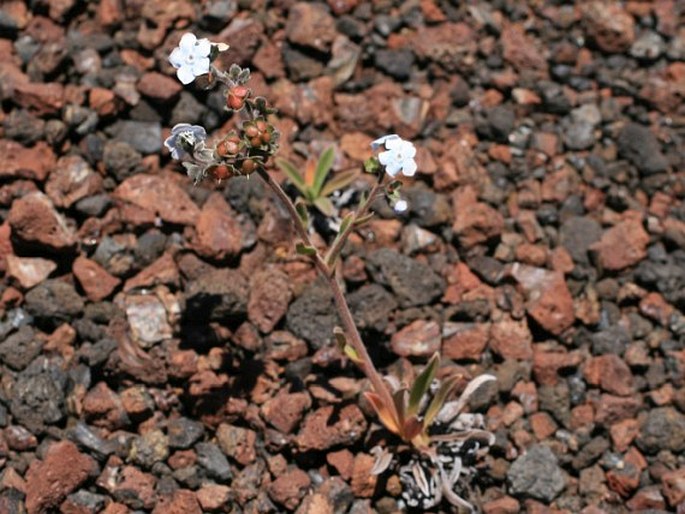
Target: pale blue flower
x: 183, y: 139
x: 398, y: 156
x: 191, y: 58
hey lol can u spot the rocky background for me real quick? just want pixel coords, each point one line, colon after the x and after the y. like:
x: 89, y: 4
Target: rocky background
x: 163, y: 350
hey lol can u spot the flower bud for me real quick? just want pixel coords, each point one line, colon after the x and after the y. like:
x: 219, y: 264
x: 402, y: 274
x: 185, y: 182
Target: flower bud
x: 227, y: 147
x: 251, y: 131
x: 220, y: 172
x: 235, y: 98
x: 248, y: 166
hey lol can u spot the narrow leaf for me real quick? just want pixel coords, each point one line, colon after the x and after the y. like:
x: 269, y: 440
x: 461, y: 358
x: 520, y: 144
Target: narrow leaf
x: 323, y: 167
x: 438, y: 401
x: 293, y: 175
x: 325, y: 206
x: 346, y: 222
x: 352, y: 354
x: 302, y: 212
x: 384, y: 414
x: 470, y: 389
x: 399, y: 397
x: 303, y: 249
x: 339, y: 181
x: 411, y: 428
x: 364, y: 219
x: 340, y: 338
x: 422, y: 383
x: 310, y: 174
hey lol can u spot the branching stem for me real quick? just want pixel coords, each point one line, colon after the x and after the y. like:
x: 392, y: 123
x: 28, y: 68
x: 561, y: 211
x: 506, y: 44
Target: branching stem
x: 349, y: 327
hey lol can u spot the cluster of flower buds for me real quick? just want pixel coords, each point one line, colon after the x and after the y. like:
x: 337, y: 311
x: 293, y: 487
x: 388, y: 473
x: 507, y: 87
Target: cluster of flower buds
x: 242, y: 151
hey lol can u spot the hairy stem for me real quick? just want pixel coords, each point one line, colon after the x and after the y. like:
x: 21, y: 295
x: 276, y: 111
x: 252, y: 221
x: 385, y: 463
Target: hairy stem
x: 349, y: 327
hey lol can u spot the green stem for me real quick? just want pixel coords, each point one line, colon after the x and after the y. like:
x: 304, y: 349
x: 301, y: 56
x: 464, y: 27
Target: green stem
x: 353, y: 336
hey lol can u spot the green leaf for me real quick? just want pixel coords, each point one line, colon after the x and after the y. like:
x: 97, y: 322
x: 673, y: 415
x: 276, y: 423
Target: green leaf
x: 339, y: 181
x: 301, y: 209
x: 360, y: 221
x: 371, y: 165
x: 340, y: 338
x: 303, y: 249
x: 293, y: 175
x: 346, y: 222
x: 439, y: 399
x: 400, y: 400
x: 324, y: 205
x: 422, y: 384
x: 352, y: 354
x: 322, y: 168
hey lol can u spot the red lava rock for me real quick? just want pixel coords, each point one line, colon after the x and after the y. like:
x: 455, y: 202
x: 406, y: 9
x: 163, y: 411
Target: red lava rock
x: 511, y: 339
x: 673, y: 486
x: 289, y: 488
x: 452, y: 45
x: 29, y: 271
x: 104, y: 101
x: 611, y: 409
x: 35, y: 221
x: 270, y: 295
x: 161, y: 195
x: 163, y: 271
x: 182, y: 501
x: 646, y: 499
x: 624, y: 433
x: 219, y: 234
x: 655, y: 307
x: 547, y: 364
x: 342, y: 461
x: 609, y: 26
x: 285, y: 410
x: 622, y: 246
x: 611, y: 373
x: 269, y: 60
x: 41, y: 98
x: 420, y: 338
x: 503, y: 505
x: 103, y: 407
x: 213, y: 496
x: 310, y: 24
x: 97, y: 283
x: 237, y: 442
x: 363, y: 483
x: 623, y: 480
x: 474, y: 222
x: 71, y: 180
x: 465, y: 340
x: 63, y: 470
x: 542, y: 425
x: 328, y: 427
x: 18, y: 161
x: 521, y: 50
x: 665, y: 89
x: 316, y: 503
x: 159, y: 87
x: 549, y: 301
x: 132, y: 482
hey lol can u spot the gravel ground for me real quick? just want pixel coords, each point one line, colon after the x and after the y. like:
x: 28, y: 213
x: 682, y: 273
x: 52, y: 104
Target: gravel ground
x: 162, y: 348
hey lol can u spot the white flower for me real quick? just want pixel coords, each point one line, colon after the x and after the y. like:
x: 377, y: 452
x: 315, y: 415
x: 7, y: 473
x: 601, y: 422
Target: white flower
x: 183, y: 139
x: 191, y: 58
x: 398, y: 156
x: 400, y: 206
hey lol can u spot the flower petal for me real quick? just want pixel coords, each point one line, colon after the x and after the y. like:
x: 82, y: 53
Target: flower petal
x: 408, y: 150
x: 375, y: 145
x: 177, y: 57
x: 203, y: 47
x: 187, y: 42
x: 185, y: 74
x: 395, y: 143
x: 201, y: 66
x: 409, y: 167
